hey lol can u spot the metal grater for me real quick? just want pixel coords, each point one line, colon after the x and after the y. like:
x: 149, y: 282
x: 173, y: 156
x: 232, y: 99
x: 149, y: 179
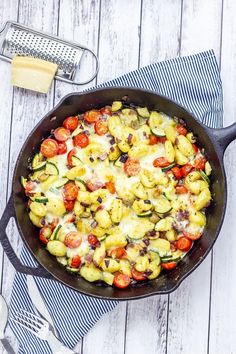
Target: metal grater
x: 16, y: 39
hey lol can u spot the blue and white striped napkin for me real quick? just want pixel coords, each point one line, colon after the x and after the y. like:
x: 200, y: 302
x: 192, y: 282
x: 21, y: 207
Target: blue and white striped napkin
x: 194, y: 82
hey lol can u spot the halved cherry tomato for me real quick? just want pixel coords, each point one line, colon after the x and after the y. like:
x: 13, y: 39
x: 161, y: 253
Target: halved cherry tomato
x: 69, y: 157
x: 93, y: 185
x: 192, y: 237
x: 132, y: 167
x: 101, y: 127
x: 71, y: 123
x: 92, y: 116
x: 30, y: 186
x: 161, y: 162
x: 184, y: 244
x: 186, y: 169
x: 118, y: 252
x: 139, y: 276
x: 70, y: 191
x: 92, y: 240
x: 121, y: 281
x: 181, y: 129
x: 199, y: 163
x: 110, y: 187
x: 181, y: 189
x: 177, y: 172
x: 73, y: 239
x: 61, y: 134
x: 106, y: 110
x: 153, y: 139
x: 44, y: 234
x: 162, y: 139
x: 49, y: 148
x: 62, y: 148
x: 69, y: 204
x: 169, y: 265
x: 75, y: 261
x: 81, y: 140
x: 195, y: 148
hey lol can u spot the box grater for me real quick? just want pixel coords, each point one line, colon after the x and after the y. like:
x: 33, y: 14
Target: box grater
x: 16, y: 39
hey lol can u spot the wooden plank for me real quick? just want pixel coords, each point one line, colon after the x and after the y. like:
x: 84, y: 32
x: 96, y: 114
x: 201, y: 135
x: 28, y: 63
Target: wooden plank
x: 201, y: 26
x: 189, y: 305
x: 160, y: 36
x: 147, y: 318
x: 28, y: 108
x: 223, y: 312
x: 116, y: 56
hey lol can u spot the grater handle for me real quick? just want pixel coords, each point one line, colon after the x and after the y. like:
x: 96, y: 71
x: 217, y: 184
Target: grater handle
x: 74, y: 82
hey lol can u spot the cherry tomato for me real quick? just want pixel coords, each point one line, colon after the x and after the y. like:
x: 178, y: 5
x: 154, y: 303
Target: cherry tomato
x: 44, y: 234
x: 94, y: 185
x: 71, y: 123
x: 30, y: 186
x: 199, y: 163
x: 62, y: 148
x: 101, y: 127
x: 118, y: 252
x: 177, y: 172
x: 181, y: 129
x: 75, y: 261
x: 92, y: 240
x: 73, y: 239
x: 92, y: 116
x: 132, y: 167
x: 186, y: 169
x: 106, y: 110
x: 153, y: 139
x: 162, y: 139
x: 70, y: 191
x: 169, y: 265
x: 181, y: 189
x: 184, y: 244
x: 49, y: 148
x: 139, y: 276
x: 110, y: 187
x: 69, y: 204
x: 81, y: 140
x: 121, y: 281
x: 161, y: 162
x: 61, y: 134
x: 54, y: 223
x: 195, y: 148
x: 69, y: 157
x: 192, y: 237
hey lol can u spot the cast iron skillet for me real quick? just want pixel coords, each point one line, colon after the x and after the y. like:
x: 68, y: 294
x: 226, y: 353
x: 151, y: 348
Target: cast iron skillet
x: 214, y: 141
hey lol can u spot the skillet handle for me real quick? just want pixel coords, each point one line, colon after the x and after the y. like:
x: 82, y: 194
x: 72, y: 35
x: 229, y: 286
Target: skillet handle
x: 19, y: 267
x: 223, y: 136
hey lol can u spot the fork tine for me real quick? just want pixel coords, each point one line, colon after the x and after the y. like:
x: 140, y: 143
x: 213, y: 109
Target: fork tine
x: 31, y: 316
x: 29, y: 321
x: 22, y: 325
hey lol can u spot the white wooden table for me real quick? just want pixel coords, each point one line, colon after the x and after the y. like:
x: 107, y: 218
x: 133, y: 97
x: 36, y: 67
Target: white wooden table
x: 200, y: 316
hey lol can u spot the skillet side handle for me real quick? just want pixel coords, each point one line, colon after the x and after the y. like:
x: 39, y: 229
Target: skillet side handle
x: 19, y: 267
x: 224, y: 136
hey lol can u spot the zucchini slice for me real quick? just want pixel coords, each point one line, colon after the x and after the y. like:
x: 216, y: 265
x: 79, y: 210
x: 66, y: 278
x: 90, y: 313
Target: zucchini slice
x: 143, y: 112
x: 158, y: 132
x: 169, y: 167
x: 76, y: 161
x: 38, y: 163
x: 167, y: 259
x: 61, y: 182
x: 162, y: 205
x: 118, y: 163
x: 23, y: 181
x: 145, y: 214
x: 51, y: 169
x: 81, y: 184
x: 55, y: 232
x: 41, y: 199
x: 72, y: 270
x: 205, y: 177
x: 116, y: 106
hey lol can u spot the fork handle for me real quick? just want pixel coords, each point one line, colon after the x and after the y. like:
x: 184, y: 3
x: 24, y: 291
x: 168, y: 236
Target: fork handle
x: 7, y: 346
x: 56, y: 346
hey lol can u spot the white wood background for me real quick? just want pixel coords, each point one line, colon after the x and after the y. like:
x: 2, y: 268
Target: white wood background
x: 200, y: 316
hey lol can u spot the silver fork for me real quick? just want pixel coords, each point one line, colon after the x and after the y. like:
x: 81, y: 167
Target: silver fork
x: 41, y: 329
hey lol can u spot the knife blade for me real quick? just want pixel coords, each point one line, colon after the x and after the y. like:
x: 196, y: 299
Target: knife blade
x: 38, y: 302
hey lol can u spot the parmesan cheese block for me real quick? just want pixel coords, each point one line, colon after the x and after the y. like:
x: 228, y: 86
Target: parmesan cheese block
x: 32, y: 74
